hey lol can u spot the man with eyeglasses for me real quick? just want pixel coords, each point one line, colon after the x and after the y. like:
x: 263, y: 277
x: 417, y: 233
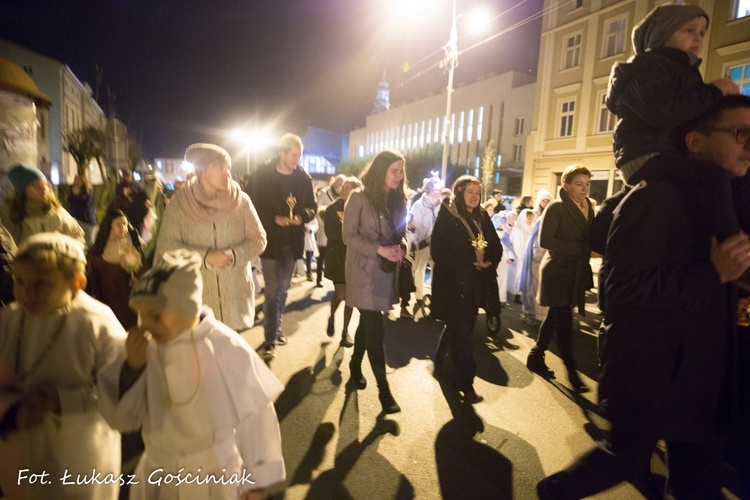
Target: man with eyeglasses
x: 669, y: 369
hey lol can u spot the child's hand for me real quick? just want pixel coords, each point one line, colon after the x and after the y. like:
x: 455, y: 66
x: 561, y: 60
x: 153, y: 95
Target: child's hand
x: 47, y: 397
x: 726, y: 85
x: 136, y: 345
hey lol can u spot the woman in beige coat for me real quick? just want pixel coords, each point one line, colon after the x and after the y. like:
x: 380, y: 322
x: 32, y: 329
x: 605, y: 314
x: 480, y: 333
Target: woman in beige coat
x: 212, y: 216
x: 565, y: 274
x: 374, y: 224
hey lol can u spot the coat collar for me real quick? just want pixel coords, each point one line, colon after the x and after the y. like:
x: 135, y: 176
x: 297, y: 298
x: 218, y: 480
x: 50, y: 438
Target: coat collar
x: 575, y: 212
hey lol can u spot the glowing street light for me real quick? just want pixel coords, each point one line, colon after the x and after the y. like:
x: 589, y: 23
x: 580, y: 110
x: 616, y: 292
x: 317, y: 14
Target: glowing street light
x: 478, y: 21
x: 251, y: 141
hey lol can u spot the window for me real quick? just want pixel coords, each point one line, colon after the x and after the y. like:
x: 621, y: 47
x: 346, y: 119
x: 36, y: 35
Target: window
x: 567, y: 113
x: 438, y: 133
x: 572, y: 51
x: 428, y: 135
x: 517, y: 152
x: 470, y: 126
x: 606, y: 118
x: 461, y: 127
x: 453, y: 129
x: 614, y: 36
x: 741, y: 8
x: 421, y: 134
x: 741, y: 76
x: 579, y: 4
x: 518, y: 128
x: 480, y: 118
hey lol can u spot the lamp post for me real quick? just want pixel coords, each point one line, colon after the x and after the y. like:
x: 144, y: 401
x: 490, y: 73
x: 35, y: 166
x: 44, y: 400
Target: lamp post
x: 450, y: 62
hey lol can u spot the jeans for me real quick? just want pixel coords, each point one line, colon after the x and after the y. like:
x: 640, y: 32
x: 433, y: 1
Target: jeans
x: 277, y: 273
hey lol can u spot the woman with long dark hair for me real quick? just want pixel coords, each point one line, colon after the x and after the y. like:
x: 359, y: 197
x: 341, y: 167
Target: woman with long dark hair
x: 373, y: 227
x: 466, y: 251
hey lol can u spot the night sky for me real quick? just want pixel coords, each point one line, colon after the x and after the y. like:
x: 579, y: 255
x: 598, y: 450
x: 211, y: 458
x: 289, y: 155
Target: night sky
x: 192, y: 70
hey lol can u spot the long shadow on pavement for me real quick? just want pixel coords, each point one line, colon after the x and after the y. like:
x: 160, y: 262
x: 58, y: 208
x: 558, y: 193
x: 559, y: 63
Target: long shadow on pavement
x: 300, y: 409
x: 405, y: 340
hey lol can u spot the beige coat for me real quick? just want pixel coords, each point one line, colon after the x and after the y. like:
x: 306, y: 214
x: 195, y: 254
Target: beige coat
x: 229, y: 291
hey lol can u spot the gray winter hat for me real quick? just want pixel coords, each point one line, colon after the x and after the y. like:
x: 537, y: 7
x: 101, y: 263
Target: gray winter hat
x: 175, y: 283
x: 655, y: 29
x: 201, y: 155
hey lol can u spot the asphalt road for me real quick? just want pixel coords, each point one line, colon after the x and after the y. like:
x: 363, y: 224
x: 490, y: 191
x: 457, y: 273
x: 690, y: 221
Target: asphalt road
x: 336, y: 446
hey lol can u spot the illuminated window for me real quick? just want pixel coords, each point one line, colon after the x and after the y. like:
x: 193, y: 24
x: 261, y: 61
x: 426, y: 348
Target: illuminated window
x: 470, y: 126
x: 480, y: 117
x: 361, y: 151
x: 461, y: 127
x: 421, y: 134
x: 741, y: 9
x: 741, y: 76
x: 403, y: 137
x: 438, y: 134
x: 416, y: 134
x: 607, y: 119
x: 615, y: 36
x: 428, y: 136
x: 572, y: 51
x: 567, y: 113
x: 453, y: 128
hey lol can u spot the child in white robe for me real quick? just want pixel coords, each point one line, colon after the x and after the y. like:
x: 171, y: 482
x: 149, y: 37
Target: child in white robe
x: 202, y: 396
x: 54, y: 340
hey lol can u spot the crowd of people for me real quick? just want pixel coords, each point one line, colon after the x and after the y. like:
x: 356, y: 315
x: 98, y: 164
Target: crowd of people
x: 129, y: 324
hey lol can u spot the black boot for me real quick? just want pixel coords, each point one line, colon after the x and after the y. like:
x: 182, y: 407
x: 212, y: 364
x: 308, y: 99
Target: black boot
x: 387, y: 402
x: 575, y: 381
x: 536, y: 364
x: 356, y: 378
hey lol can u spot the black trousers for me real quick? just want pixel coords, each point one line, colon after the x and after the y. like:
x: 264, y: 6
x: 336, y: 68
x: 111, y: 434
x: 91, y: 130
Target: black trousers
x: 559, y: 321
x: 457, y: 335
x: 694, y: 469
x: 369, y: 339
x: 321, y: 264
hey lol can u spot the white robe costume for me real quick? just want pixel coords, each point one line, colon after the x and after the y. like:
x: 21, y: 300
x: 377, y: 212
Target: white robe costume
x: 66, y: 349
x: 221, y: 421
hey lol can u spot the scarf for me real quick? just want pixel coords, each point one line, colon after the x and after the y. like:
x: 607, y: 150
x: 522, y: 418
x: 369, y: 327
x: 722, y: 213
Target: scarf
x: 200, y: 207
x: 122, y: 252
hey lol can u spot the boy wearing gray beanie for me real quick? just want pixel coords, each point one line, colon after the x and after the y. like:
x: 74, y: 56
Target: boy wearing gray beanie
x: 660, y: 88
x: 201, y: 396
x: 655, y: 94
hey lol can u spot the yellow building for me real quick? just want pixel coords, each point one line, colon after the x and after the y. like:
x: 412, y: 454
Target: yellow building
x: 581, y: 39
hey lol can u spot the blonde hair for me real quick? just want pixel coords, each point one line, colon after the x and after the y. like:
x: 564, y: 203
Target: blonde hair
x: 289, y: 141
x: 49, y: 259
x: 572, y: 171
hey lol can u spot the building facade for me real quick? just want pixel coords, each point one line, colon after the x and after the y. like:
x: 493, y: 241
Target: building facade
x: 73, y: 107
x: 581, y: 40
x: 495, y: 109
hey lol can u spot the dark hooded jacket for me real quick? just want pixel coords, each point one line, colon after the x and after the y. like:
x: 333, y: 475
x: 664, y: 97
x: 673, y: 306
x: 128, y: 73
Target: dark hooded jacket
x: 652, y: 94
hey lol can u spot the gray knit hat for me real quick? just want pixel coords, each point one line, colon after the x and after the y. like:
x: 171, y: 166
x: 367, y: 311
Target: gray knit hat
x: 174, y: 283
x: 59, y: 243
x: 655, y: 29
x: 201, y: 155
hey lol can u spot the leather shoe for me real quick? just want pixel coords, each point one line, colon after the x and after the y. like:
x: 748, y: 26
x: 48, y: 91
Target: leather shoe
x: 330, y: 328
x: 346, y: 340
x: 472, y: 397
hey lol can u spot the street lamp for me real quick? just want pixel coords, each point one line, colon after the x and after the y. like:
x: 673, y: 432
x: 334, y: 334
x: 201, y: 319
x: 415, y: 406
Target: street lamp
x: 251, y: 142
x: 450, y: 62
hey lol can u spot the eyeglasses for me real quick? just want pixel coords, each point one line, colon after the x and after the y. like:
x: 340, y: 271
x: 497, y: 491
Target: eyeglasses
x: 741, y: 135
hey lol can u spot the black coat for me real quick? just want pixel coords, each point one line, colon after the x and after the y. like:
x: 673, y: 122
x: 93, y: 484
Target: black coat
x: 459, y: 288
x: 665, y: 363
x: 269, y: 198
x: 652, y: 94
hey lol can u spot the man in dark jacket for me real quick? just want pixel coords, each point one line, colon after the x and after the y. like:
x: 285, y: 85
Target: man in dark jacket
x: 668, y: 321
x: 283, y: 196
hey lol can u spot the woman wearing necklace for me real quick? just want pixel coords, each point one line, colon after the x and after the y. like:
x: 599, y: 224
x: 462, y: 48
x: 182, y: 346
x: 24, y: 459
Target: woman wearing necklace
x: 466, y: 251
x: 565, y: 274
x: 373, y: 227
